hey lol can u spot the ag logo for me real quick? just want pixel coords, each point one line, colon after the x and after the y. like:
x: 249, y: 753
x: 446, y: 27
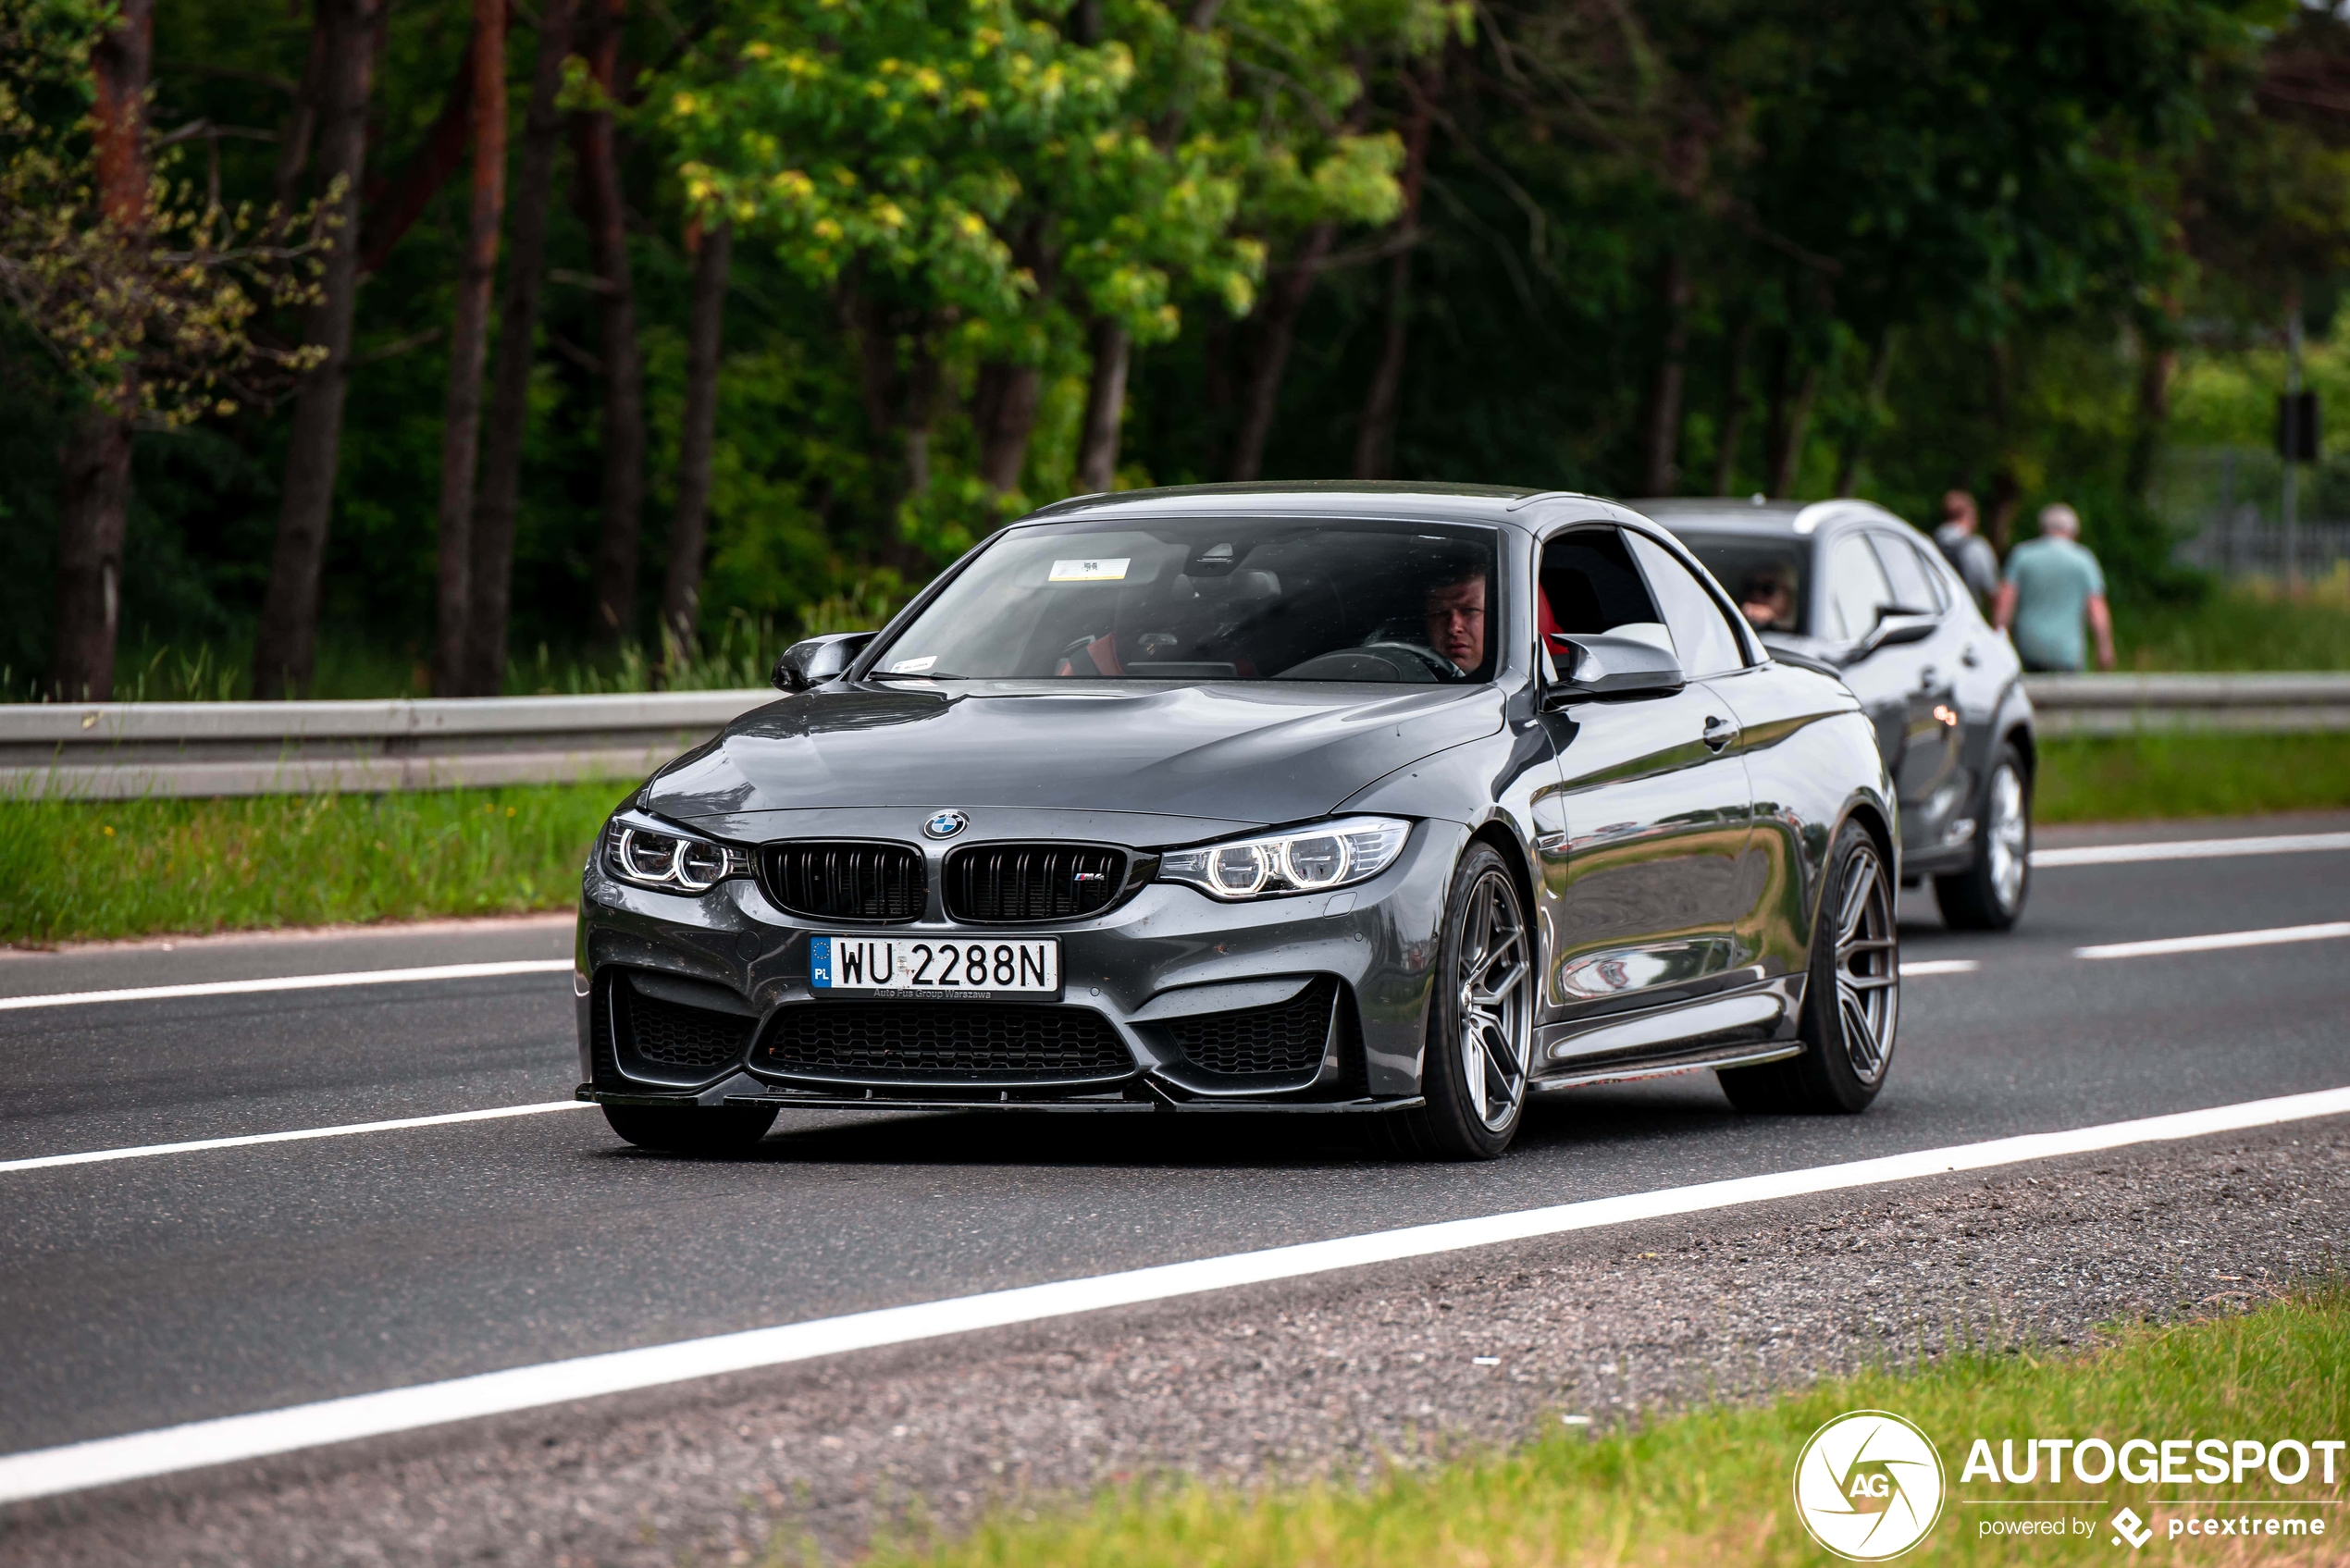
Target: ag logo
x: 1868, y: 1486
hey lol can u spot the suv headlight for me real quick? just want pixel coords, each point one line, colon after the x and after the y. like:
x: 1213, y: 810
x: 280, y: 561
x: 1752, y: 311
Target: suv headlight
x: 1310, y: 859
x: 643, y: 854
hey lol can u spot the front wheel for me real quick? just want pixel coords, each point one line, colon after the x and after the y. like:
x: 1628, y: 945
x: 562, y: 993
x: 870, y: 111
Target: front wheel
x: 1851, y: 1001
x: 1989, y: 895
x: 692, y: 1130
x: 1480, y: 1022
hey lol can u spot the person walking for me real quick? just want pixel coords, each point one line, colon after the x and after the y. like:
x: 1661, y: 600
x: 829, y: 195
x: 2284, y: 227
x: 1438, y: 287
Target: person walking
x: 1963, y: 547
x: 2051, y: 582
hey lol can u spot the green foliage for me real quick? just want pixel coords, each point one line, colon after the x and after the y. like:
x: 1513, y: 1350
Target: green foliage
x: 73, y: 871
x: 2141, y: 777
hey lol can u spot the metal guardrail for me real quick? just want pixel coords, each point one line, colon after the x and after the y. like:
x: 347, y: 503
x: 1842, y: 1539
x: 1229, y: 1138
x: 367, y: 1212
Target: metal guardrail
x: 111, y: 750
x: 2105, y: 705
x: 122, y: 750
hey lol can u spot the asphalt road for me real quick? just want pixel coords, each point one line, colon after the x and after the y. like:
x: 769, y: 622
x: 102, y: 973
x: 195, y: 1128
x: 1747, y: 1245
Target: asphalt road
x: 142, y: 1292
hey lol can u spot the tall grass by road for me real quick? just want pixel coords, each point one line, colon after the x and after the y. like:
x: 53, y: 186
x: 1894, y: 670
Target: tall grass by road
x: 1712, y: 1485
x: 73, y: 871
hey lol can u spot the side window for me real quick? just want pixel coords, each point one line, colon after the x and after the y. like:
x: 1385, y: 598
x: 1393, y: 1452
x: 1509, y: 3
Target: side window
x: 1702, y: 634
x: 1591, y: 584
x: 1857, y: 588
x: 1913, y: 590
x: 1937, y: 574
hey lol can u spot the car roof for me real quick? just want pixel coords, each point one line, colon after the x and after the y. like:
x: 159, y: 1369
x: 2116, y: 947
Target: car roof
x: 1760, y: 517
x: 1432, y: 501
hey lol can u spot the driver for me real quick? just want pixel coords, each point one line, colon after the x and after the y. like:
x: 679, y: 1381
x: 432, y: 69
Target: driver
x: 1454, y: 617
x: 1769, y: 598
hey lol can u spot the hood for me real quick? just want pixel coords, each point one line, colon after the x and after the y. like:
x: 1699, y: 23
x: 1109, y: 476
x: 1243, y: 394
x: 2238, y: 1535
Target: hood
x: 1245, y: 753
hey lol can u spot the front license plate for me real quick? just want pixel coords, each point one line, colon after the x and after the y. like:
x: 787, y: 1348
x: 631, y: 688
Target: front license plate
x: 892, y: 966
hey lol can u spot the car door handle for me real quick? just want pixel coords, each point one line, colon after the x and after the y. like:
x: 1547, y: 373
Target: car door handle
x: 1926, y: 675
x: 1719, y: 733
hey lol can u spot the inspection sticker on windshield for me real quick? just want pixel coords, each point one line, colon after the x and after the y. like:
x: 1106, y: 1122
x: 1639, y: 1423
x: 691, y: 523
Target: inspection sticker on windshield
x: 1110, y: 571
x: 913, y: 666
x: 889, y: 965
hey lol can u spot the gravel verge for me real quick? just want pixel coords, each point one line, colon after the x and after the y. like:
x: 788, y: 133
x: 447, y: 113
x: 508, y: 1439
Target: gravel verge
x: 1335, y: 1375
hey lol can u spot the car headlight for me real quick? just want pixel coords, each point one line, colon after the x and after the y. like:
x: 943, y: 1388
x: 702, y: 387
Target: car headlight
x: 666, y: 860
x: 1310, y: 859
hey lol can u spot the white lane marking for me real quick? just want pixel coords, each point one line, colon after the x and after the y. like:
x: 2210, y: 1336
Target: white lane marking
x: 2189, y: 849
x: 1911, y: 969
x: 144, y: 1151
x: 44, y: 1471
x: 2216, y: 941
x: 288, y: 982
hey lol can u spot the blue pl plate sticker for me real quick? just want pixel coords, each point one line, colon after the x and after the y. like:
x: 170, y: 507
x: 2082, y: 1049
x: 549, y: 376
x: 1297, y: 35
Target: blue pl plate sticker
x: 820, y: 962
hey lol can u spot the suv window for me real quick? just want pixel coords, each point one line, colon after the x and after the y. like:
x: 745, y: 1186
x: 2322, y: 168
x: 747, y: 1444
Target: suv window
x: 1857, y: 588
x: 1913, y: 589
x: 1702, y: 634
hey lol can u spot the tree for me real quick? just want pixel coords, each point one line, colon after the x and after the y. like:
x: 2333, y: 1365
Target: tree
x: 468, y: 339
x: 343, y: 35
x: 601, y: 207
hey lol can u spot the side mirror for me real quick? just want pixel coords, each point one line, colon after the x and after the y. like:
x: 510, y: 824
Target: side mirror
x: 818, y: 659
x: 1601, y: 666
x: 1894, y: 627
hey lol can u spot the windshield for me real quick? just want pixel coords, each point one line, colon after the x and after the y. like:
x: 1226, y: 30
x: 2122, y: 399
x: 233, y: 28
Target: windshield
x: 1768, y: 578
x: 1214, y: 599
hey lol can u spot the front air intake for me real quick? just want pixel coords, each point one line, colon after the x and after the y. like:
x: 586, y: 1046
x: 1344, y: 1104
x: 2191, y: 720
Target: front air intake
x: 865, y: 883
x: 941, y: 1042
x: 1004, y: 883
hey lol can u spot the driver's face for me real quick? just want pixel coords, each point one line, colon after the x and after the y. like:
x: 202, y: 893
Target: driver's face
x: 1456, y: 622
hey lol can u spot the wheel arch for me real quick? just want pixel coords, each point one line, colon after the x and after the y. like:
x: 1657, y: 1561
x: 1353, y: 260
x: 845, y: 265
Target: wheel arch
x: 1505, y: 843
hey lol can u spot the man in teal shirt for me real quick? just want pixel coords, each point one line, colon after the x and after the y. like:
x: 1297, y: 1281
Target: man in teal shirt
x: 2051, y: 581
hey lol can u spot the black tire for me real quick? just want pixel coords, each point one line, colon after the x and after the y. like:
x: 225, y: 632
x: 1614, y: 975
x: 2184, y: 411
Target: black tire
x: 1490, y: 940
x: 675, y: 1130
x: 1989, y: 894
x: 1856, y: 961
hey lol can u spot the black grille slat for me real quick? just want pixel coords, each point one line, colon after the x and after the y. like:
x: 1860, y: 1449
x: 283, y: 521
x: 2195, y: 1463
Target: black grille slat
x: 930, y: 1042
x: 679, y: 1036
x: 1285, y: 1040
x: 871, y: 882
x: 1003, y: 883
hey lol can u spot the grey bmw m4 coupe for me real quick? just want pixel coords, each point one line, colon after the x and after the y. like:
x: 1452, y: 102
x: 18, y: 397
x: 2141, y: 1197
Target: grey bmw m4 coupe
x: 1397, y: 801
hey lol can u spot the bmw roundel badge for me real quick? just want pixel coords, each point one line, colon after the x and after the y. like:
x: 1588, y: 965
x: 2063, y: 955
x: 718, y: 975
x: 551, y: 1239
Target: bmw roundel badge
x: 946, y: 824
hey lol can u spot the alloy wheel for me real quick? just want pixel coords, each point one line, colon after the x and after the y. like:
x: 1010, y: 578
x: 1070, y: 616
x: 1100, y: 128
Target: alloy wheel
x: 2010, y: 833
x: 1868, y: 979
x: 1496, y: 1004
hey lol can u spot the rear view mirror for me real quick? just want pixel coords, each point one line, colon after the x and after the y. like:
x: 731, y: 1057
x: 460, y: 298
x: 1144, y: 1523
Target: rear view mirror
x: 817, y: 660
x: 1595, y: 665
x: 1894, y: 627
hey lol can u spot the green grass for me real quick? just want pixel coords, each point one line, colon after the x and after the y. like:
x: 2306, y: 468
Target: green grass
x: 2241, y: 626
x: 1711, y: 1486
x: 2127, y: 778
x: 88, y: 870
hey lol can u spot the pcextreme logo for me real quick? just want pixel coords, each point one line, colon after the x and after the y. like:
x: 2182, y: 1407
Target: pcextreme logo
x: 1868, y: 1486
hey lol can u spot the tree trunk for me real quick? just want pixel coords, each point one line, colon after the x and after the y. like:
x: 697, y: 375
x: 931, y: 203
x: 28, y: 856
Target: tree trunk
x: 1660, y: 459
x: 1734, y: 404
x: 285, y: 652
x: 1004, y: 410
x: 1113, y: 350
x: 712, y: 249
x: 1788, y: 416
x: 1270, y: 345
x: 469, y: 342
x: 491, y: 573
x: 2158, y: 362
x: 594, y: 139
x: 1848, y: 465
x: 1375, y: 431
x: 97, y: 478
x: 396, y: 202
x: 2007, y: 490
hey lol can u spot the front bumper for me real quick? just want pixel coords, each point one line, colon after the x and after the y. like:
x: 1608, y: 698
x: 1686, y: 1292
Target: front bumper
x: 1159, y: 971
